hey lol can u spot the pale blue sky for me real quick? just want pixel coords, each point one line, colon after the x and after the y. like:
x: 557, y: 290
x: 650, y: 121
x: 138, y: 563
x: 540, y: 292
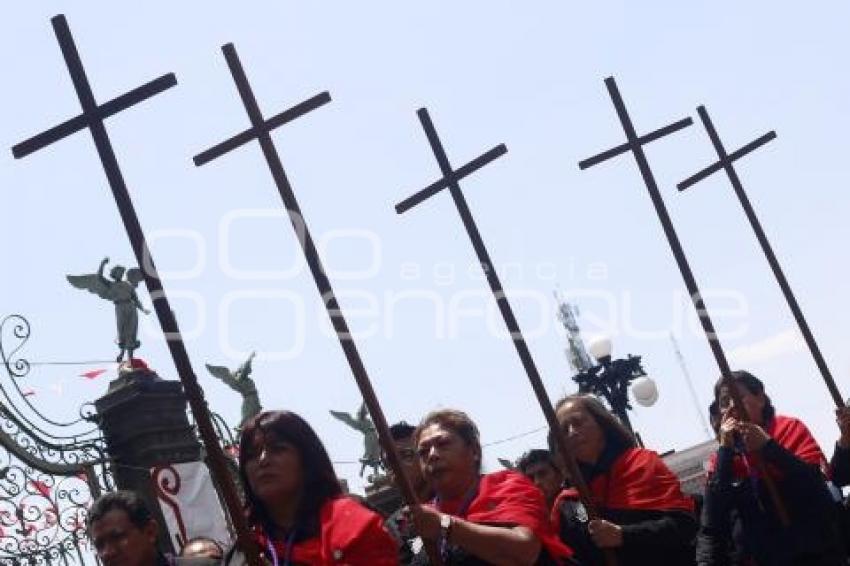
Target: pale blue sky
x: 527, y: 74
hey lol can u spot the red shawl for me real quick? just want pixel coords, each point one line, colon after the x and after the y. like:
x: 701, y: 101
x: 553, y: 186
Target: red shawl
x: 638, y: 479
x: 350, y: 535
x: 509, y: 498
x: 792, y: 435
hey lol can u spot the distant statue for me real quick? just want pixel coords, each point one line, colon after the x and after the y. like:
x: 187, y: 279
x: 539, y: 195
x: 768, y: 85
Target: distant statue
x: 507, y: 464
x: 122, y: 292
x: 241, y: 382
x: 372, y: 449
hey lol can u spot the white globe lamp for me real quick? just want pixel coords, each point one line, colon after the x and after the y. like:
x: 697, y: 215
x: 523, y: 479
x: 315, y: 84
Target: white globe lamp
x: 600, y: 349
x: 645, y: 391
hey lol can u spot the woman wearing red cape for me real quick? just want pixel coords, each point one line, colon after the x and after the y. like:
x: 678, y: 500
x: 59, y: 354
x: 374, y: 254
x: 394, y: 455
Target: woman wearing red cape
x: 294, y: 502
x: 740, y: 524
x: 645, y: 519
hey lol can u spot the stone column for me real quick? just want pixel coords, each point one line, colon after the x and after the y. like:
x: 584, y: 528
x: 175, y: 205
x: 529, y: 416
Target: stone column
x: 145, y: 423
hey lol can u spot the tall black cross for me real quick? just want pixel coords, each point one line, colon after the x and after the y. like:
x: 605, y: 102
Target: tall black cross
x: 92, y: 118
x: 634, y: 144
x: 450, y: 180
x: 260, y: 131
x: 726, y: 162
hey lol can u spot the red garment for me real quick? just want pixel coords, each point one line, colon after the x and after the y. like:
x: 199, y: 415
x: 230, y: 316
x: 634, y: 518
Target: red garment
x: 792, y: 435
x: 509, y: 498
x: 350, y: 535
x: 638, y: 479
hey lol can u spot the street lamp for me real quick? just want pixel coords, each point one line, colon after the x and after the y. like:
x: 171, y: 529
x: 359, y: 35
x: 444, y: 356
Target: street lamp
x: 610, y: 379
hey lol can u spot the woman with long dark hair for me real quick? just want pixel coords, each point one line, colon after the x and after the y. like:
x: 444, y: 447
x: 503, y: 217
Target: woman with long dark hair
x: 741, y: 524
x: 294, y: 503
x: 644, y: 517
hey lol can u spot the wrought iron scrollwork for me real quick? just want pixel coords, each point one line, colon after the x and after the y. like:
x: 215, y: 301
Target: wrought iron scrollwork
x: 47, y: 479
x: 18, y: 328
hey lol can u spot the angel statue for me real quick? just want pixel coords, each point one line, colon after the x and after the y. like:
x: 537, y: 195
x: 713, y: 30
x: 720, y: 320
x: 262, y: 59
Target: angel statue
x: 122, y: 292
x: 363, y: 424
x: 240, y: 382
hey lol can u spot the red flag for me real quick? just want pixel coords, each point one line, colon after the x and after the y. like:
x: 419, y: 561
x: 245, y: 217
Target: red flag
x: 41, y: 487
x: 93, y: 373
x: 28, y: 392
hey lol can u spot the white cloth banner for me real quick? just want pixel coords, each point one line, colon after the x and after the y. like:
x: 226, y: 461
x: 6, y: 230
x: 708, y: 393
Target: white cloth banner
x: 189, y: 503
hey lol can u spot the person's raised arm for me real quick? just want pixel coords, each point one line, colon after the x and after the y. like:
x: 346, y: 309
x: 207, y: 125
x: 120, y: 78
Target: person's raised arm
x: 100, y: 276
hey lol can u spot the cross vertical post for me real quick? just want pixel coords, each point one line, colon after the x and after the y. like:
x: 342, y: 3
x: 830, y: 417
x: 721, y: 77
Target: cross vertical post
x: 260, y: 131
x: 92, y: 118
x: 634, y: 145
x: 726, y: 162
x: 450, y: 180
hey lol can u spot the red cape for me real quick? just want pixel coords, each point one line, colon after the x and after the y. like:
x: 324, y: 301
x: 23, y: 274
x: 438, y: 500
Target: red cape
x: 350, y: 535
x: 509, y: 498
x: 792, y: 435
x: 638, y: 479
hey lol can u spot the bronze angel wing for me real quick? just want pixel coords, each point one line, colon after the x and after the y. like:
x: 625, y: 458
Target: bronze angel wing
x: 346, y: 418
x: 223, y: 374
x: 93, y: 284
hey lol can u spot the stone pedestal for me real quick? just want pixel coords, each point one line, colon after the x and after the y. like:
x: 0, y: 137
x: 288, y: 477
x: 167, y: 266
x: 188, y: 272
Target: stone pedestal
x: 145, y: 424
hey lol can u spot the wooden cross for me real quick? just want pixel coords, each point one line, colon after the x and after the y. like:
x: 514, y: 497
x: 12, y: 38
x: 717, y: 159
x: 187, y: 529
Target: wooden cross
x: 635, y: 144
x: 260, y: 131
x: 726, y: 162
x: 92, y: 118
x: 450, y: 180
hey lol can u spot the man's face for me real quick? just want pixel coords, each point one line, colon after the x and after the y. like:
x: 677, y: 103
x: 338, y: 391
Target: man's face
x: 118, y: 542
x: 448, y: 463
x: 544, y: 476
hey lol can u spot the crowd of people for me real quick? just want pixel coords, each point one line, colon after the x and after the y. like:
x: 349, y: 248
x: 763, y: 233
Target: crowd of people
x: 771, y: 498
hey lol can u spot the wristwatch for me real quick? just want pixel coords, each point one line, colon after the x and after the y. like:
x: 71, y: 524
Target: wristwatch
x: 446, y: 522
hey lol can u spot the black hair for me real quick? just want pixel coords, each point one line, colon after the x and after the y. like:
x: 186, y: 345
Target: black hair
x: 535, y: 456
x: 123, y: 500
x: 402, y: 430
x: 754, y: 385
x: 320, y: 481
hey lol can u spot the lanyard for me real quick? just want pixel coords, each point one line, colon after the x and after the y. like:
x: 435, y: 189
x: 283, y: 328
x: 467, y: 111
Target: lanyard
x: 461, y: 512
x: 287, y: 557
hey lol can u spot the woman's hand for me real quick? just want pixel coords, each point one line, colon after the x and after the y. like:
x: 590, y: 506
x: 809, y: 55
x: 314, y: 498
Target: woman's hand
x: 843, y: 417
x: 727, y: 430
x: 752, y: 435
x: 605, y: 534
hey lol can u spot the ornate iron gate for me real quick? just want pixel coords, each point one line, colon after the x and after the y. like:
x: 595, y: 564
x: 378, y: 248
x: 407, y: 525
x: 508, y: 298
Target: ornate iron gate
x: 50, y: 471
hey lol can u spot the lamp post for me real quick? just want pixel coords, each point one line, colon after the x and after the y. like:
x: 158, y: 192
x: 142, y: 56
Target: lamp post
x: 610, y: 379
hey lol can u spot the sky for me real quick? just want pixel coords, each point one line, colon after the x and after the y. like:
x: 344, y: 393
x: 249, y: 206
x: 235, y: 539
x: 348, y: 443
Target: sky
x: 529, y: 75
